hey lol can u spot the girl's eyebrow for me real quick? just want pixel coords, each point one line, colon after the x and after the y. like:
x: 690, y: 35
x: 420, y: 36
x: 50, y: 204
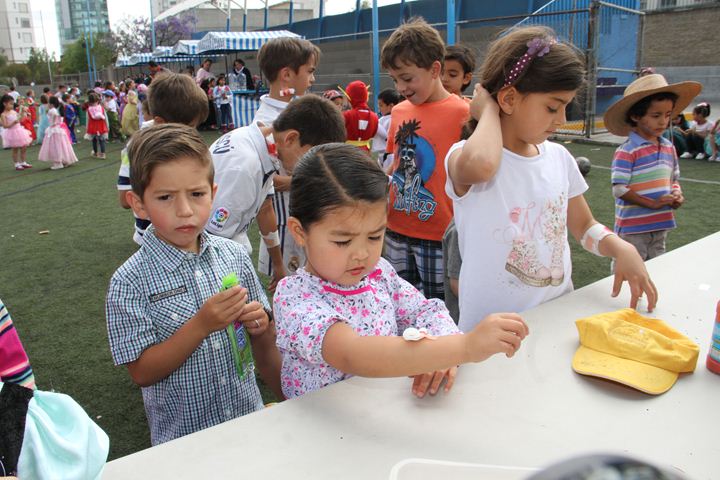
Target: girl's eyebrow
x: 560, y: 100
x: 354, y: 234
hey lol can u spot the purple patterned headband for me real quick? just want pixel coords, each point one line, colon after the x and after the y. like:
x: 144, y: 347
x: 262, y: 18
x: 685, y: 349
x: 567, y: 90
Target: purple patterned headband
x: 537, y: 47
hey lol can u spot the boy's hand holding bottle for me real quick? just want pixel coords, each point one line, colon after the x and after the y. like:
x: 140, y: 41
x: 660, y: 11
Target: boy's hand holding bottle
x: 221, y: 309
x: 254, y: 318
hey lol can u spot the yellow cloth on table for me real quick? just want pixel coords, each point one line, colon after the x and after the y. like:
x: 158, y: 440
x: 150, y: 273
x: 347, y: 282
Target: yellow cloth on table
x: 640, y: 352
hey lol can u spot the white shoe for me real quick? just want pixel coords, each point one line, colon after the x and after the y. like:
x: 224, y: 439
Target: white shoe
x: 686, y: 155
x: 57, y: 167
x: 712, y: 158
x: 700, y: 156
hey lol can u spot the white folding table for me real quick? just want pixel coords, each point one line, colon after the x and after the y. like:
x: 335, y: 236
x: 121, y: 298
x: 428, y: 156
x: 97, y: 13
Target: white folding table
x: 528, y: 411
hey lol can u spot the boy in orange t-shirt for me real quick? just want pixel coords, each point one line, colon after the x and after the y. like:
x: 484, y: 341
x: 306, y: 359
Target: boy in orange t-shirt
x: 422, y: 130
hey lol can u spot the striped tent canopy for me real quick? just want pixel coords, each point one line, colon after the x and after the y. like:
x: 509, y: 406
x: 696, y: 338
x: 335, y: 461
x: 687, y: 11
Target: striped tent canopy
x: 122, y: 62
x: 162, y: 52
x: 139, y: 58
x: 186, y: 47
x: 216, y: 42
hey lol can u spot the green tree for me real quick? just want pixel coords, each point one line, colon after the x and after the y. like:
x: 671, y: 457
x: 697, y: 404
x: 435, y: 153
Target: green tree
x: 19, y: 71
x: 38, y: 65
x: 74, y: 60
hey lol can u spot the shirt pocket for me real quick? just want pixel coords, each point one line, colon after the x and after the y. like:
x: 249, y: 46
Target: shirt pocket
x: 170, y: 314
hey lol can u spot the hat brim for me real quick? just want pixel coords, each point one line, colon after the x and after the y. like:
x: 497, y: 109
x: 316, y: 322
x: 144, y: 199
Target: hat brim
x: 640, y: 376
x: 614, y: 117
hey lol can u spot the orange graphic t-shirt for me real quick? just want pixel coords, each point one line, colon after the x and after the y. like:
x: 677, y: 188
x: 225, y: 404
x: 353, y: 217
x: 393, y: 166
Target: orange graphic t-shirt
x: 419, y: 138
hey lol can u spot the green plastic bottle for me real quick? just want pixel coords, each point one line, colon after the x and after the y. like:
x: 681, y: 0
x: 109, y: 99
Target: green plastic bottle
x: 238, y: 336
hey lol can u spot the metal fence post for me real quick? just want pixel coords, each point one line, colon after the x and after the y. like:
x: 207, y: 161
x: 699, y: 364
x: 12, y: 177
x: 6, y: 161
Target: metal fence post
x: 375, y: 54
x: 590, y: 97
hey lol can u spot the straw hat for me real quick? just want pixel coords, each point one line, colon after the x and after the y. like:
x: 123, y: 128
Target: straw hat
x: 644, y: 87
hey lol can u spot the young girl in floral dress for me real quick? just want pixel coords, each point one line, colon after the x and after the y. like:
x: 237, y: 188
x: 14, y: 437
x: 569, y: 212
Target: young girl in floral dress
x: 347, y: 312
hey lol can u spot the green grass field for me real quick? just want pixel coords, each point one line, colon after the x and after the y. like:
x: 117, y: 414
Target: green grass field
x: 54, y: 284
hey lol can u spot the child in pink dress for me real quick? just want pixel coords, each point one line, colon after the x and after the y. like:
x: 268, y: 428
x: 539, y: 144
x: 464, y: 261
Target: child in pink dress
x: 56, y: 146
x: 347, y: 312
x: 14, y: 135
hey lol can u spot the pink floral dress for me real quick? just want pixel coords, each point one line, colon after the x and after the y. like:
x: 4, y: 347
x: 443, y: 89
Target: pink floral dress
x: 382, y: 304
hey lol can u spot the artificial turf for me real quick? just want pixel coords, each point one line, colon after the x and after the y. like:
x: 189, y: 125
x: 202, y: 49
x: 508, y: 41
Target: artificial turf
x: 54, y: 283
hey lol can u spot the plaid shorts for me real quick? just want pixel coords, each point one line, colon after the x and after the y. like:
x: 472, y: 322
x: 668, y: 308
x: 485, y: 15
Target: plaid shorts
x: 418, y: 261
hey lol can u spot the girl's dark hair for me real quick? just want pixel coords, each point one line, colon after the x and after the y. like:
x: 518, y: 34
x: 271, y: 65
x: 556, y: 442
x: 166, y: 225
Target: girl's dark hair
x: 560, y: 69
x: 55, y: 102
x: 702, y: 109
x: 93, y: 98
x: 640, y: 108
x: 390, y: 96
x: 6, y: 98
x: 331, y: 176
x: 43, y: 98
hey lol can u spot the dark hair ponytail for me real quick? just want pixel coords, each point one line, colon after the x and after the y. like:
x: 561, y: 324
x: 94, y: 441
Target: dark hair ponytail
x: 702, y: 109
x: 331, y: 176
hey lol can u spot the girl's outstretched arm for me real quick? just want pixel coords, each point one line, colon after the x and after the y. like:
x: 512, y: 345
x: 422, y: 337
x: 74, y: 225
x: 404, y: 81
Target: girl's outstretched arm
x: 377, y: 356
x: 479, y: 159
x: 628, y: 264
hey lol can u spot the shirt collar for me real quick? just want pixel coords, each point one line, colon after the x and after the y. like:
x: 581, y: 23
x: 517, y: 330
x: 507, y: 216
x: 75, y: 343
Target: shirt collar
x: 271, y: 102
x: 270, y: 163
x: 168, y: 256
x: 638, y: 140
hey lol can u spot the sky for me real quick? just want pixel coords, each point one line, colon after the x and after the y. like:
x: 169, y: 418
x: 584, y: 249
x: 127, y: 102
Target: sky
x: 118, y: 9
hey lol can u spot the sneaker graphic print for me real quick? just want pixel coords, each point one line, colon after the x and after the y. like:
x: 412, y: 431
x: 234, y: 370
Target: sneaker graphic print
x: 415, y: 166
x: 537, y: 233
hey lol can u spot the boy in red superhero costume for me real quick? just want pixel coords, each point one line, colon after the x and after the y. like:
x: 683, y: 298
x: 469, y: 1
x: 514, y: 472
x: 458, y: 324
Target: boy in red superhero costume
x: 361, y: 123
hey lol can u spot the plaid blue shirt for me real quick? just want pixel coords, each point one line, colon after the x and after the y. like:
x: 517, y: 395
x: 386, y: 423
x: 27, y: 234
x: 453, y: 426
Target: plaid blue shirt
x: 151, y: 296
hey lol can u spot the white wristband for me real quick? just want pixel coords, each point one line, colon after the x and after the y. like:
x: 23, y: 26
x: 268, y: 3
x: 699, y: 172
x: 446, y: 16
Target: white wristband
x: 272, y: 239
x: 591, y: 239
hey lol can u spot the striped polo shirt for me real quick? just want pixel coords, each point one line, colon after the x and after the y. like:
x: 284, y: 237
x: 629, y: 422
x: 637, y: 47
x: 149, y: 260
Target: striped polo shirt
x: 650, y: 170
x: 14, y: 363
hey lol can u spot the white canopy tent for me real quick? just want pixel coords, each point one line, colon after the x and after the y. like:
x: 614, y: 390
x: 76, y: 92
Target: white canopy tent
x: 185, y: 47
x: 219, y: 42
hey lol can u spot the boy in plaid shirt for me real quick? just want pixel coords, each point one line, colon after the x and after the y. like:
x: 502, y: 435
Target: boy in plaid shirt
x: 166, y: 319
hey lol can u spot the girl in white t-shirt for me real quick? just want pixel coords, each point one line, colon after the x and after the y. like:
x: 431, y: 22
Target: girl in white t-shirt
x: 516, y: 195
x: 700, y: 128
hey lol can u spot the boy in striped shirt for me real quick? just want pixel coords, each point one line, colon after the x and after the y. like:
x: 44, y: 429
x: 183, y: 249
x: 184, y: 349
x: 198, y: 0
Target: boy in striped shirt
x: 645, y: 169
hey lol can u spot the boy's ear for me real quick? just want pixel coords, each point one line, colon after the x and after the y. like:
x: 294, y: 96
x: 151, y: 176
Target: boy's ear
x: 292, y: 137
x: 158, y: 120
x: 297, y: 231
x: 507, y: 99
x: 136, y: 204
x: 436, y: 69
x: 284, y: 74
x: 467, y: 78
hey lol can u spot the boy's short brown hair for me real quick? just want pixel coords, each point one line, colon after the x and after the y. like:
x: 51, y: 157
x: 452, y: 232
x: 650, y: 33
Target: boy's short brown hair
x: 164, y: 143
x: 283, y: 52
x: 413, y: 43
x: 317, y: 120
x: 177, y: 99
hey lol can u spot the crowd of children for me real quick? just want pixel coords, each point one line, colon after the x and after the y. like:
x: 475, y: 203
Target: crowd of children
x: 364, y: 253
x: 361, y: 252
x: 107, y: 119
